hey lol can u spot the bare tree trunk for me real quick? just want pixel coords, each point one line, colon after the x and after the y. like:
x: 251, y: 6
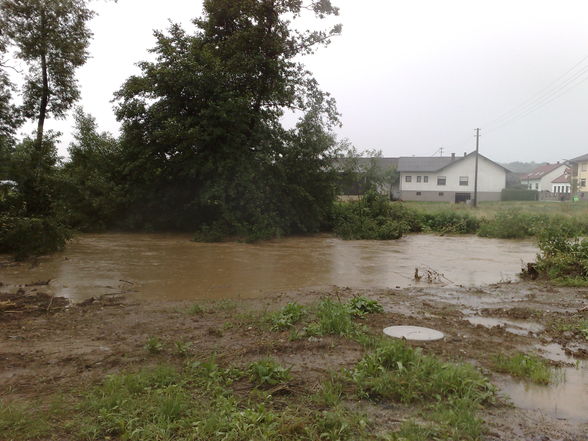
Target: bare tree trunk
x: 44, y: 93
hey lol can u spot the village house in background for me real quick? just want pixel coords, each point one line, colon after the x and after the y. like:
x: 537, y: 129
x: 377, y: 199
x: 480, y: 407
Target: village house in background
x: 450, y: 178
x: 579, y: 176
x: 552, y: 181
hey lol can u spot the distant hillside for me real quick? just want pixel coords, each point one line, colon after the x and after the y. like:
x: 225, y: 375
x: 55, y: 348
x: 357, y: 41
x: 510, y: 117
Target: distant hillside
x: 522, y: 167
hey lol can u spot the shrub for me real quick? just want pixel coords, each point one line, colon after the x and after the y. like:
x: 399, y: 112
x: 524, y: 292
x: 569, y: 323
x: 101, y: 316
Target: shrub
x: 360, y: 305
x: 334, y: 318
x: 374, y: 217
x: 563, y: 257
x: 524, y: 366
x: 154, y: 345
x: 287, y: 317
x: 508, y: 224
x: 29, y: 236
x: 268, y: 372
x: 450, y: 221
x: 398, y: 372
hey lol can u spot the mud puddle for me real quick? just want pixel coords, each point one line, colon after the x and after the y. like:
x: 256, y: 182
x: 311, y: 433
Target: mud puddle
x: 565, y: 399
x: 519, y: 327
x: 172, y: 267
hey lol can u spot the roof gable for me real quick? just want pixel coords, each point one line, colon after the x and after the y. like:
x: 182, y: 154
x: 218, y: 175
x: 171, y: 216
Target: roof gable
x: 435, y: 163
x: 541, y: 171
x: 563, y: 179
x: 582, y: 158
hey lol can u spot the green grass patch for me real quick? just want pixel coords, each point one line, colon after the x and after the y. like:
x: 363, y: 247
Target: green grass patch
x: 268, y: 372
x: 577, y: 325
x: 165, y: 404
x: 450, y: 394
x: 154, y: 345
x: 287, y: 317
x: 20, y: 421
x: 360, y: 305
x: 528, y: 367
x: 333, y: 318
x: 195, y: 309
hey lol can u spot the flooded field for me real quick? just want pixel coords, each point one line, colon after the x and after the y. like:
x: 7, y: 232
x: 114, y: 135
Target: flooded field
x: 174, y: 268
x: 44, y: 341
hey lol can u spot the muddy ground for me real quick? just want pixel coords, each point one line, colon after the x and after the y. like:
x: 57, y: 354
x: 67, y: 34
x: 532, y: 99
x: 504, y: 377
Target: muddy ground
x: 49, y: 346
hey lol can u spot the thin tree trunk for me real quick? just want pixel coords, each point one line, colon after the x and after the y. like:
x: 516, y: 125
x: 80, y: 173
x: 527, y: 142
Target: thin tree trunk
x: 44, y: 91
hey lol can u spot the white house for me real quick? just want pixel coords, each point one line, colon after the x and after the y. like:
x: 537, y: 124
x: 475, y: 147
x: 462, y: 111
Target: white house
x: 450, y: 178
x: 562, y: 184
x: 541, y: 178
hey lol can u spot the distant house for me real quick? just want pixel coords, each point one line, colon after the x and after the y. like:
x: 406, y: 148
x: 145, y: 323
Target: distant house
x: 580, y: 175
x: 562, y: 185
x: 450, y: 178
x: 542, y: 177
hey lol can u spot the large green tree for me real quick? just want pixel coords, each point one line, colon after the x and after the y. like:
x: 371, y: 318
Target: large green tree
x: 203, y: 137
x: 90, y: 196
x: 51, y: 37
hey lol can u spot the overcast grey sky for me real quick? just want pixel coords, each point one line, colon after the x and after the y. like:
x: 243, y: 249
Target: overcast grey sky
x: 409, y: 76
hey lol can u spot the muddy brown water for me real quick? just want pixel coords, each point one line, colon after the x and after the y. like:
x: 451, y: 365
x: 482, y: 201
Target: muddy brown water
x: 566, y: 398
x: 166, y: 266
x: 172, y: 267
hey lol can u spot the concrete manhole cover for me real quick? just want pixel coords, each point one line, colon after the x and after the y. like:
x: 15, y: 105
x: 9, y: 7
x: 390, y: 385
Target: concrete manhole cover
x: 414, y: 333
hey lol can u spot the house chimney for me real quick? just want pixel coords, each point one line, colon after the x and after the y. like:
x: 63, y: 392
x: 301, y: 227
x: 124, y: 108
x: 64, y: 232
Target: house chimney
x: 453, y: 156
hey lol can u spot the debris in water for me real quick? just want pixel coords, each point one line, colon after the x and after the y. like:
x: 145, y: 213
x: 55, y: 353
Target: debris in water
x: 430, y: 275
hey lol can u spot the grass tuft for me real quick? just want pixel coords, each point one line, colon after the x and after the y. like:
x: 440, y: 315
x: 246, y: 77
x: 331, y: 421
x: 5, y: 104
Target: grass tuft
x: 287, y: 317
x: 268, y: 372
x: 528, y: 367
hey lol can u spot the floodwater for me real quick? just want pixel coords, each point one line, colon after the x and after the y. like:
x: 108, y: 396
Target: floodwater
x: 166, y: 266
x: 519, y: 327
x: 564, y: 399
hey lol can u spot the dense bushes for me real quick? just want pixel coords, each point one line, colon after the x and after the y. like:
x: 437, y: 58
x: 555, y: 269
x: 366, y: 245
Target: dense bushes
x: 374, y: 217
x: 511, y: 194
x: 563, y: 257
x: 514, y: 224
x: 450, y: 221
x: 26, y: 236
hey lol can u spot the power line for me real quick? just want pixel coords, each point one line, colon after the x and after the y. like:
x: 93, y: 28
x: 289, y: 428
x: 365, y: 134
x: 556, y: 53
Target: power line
x: 543, y: 96
x: 566, y: 87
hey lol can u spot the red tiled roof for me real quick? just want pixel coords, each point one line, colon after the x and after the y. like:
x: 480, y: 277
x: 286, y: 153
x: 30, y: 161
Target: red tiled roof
x: 563, y: 179
x: 541, y: 171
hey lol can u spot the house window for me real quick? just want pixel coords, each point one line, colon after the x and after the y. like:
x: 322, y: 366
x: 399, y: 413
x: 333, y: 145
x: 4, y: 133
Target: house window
x: 584, y: 166
x: 418, y: 193
x: 441, y: 180
x: 537, y: 186
x: 463, y: 180
x: 419, y: 178
x: 408, y: 179
x: 425, y: 179
x: 441, y: 193
x: 583, y: 182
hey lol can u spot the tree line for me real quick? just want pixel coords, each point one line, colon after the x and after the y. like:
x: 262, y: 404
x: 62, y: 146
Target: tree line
x: 202, y: 148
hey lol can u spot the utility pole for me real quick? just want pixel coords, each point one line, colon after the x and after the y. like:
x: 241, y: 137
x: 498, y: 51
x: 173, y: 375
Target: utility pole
x: 476, y: 172
x: 441, y: 150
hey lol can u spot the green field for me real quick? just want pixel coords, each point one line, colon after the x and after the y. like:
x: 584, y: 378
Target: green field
x: 489, y: 209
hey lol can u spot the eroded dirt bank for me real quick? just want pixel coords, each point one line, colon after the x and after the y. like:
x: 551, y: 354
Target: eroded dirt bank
x: 48, y: 346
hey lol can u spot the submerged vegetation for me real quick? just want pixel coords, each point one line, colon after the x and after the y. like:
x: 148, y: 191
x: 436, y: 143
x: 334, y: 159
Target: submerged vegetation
x: 375, y: 217
x: 524, y: 366
x: 563, y: 257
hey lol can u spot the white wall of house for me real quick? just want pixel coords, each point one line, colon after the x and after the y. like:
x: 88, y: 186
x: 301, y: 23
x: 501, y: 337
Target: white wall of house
x: 532, y: 184
x: 545, y: 183
x: 561, y: 188
x: 491, y: 178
